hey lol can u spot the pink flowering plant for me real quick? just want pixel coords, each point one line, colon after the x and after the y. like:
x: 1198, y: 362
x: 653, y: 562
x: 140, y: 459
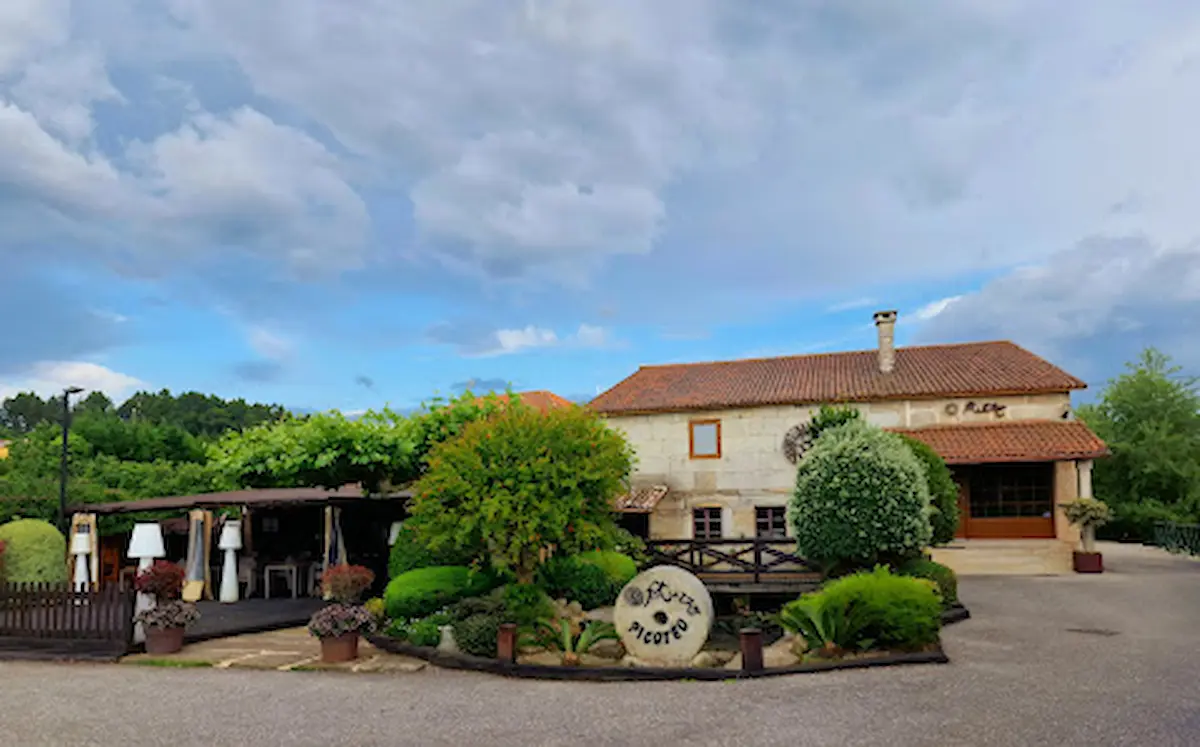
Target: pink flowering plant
x: 169, y: 614
x: 338, y: 619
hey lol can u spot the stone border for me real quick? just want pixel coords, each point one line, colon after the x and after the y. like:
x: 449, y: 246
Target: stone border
x: 637, y: 674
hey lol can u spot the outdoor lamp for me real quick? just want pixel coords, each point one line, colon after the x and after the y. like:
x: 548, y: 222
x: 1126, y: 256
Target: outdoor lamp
x: 146, y: 544
x: 230, y: 542
x: 81, y: 547
x: 394, y: 532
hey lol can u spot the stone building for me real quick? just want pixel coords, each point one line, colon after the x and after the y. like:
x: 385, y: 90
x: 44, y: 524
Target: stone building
x: 716, y: 442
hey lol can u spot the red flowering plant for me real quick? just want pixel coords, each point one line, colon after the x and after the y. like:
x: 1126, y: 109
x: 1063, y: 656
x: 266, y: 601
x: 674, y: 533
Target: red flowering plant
x: 336, y: 620
x: 346, y: 583
x: 163, y: 580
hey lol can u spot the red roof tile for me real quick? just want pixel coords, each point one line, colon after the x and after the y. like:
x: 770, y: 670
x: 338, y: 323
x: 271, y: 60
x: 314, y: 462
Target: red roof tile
x: 964, y: 370
x: 641, y: 500
x: 540, y: 400
x: 1012, y: 441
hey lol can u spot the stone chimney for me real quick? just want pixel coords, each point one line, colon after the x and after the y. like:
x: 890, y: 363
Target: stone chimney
x: 885, y: 323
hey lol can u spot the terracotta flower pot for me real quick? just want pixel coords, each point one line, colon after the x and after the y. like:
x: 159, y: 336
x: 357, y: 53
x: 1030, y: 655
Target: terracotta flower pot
x: 339, y: 648
x: 1088, y: 562
x: 163, y: 640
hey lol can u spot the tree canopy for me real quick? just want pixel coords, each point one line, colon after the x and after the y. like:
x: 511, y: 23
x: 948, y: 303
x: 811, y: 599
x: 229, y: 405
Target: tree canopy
x: 521, y: 481
x: 1150, y: 418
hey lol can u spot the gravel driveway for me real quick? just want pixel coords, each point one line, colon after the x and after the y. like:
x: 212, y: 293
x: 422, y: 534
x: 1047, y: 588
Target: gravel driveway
x: 1107, y: 660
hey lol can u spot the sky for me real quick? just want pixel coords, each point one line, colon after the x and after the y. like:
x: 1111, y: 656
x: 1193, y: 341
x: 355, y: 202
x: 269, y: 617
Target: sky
x: 347, y: 205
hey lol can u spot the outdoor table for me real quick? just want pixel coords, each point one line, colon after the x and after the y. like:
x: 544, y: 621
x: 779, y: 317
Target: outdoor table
x: 291, y: 570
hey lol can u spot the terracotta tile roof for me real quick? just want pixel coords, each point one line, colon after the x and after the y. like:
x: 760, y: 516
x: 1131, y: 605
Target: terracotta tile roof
x: 641, y: 500
x: 964, y: 370
x: 540, y: 399
x: 1012, y: 441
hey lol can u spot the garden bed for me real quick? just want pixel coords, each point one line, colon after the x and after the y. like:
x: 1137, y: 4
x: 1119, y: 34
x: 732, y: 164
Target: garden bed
x: 618, y: 673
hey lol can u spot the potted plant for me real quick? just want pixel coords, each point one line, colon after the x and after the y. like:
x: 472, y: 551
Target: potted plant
x: 340, y: 623
x: 1087, y: 514
x: 167, y: 620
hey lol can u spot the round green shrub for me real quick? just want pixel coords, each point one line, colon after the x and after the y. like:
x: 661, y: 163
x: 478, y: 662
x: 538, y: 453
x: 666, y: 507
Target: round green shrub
x: 945, y: 578
x: 476, y: 635
x: 943, y: 493
x: 423, y: 591
x: 35, y: 552
x: 893, y: 612
x: 565, y: 577
x: 860, y: 498
x: 620, y: 567
x: 492, y: 604
x: 410, y: 553
x: 525, y: 604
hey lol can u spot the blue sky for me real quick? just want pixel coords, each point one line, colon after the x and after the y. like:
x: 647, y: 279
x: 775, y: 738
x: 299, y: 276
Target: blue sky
x: 342, y: 205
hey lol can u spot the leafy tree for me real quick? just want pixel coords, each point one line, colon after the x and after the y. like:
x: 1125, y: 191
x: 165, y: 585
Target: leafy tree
x: 26, y: 411
x: 96, y: 403
x: 832, y: 416
x: 199, y: 414
x: 1150, y: 419
x: 324, y: 450
x: 520, y: 481
x: 943, y: 493
x: 861, y: 498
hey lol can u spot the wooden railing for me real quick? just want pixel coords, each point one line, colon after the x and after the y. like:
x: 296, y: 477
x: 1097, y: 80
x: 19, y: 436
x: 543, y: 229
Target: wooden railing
x: 736, y: 560
x: 38, y: 613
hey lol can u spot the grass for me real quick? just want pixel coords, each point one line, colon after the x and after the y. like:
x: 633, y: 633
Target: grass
x: 171, y: 663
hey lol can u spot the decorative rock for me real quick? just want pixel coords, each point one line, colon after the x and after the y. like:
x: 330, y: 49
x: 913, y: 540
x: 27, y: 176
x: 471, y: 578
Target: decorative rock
x: 705, y: 660
x: 447, y: 644
x: 608, y: 649
x: 603, y: 614
x: 664, y: 616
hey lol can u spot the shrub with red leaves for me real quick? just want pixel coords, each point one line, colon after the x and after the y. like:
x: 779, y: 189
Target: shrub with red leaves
x: 346, y: 583
x: 163, y: 580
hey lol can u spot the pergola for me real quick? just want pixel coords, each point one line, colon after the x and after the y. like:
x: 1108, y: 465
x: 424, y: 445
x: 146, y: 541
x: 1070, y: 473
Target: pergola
x: 197, y: 511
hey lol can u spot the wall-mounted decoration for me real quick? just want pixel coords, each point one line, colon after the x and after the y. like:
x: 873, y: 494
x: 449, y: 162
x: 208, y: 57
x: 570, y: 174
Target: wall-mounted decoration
x: 796, y: 442
x: 952, y: 409
x: 986, y: 407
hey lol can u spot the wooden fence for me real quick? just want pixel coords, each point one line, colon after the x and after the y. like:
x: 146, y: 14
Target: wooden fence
x: 727, y: 564
x: 57, y: 615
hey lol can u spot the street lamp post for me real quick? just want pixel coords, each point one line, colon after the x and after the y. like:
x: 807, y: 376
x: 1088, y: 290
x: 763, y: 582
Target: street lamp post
x: 62, y: 475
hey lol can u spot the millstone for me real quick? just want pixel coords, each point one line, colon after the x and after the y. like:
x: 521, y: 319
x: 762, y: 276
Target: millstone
x: 664, y: 616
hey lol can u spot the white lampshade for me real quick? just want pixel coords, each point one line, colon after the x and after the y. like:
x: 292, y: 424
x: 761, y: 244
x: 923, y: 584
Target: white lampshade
x: 394, y: 533
x: 81, y: 543
x: 231, y: 536
x: 146, y: 542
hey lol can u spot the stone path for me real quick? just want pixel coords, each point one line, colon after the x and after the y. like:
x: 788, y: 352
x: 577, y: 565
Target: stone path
x: 283, y: 650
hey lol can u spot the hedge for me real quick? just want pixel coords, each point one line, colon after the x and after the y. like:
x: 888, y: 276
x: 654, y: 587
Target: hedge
x: 35, y: 551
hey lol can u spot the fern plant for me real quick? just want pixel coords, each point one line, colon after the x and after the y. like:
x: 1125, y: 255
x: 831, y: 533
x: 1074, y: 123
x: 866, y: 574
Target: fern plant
x: 829, y: 629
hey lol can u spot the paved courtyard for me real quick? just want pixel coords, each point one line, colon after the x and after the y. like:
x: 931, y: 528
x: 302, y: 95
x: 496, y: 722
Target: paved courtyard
x: 1072, y: 660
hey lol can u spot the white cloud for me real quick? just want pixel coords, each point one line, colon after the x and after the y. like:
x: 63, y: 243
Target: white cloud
x: 473, y: 341
x: 934, y: 308
x: 52, y: 377
x: 269, y: 344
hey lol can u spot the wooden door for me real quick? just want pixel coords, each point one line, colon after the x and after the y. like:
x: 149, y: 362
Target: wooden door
x: 110, y: 562
x: 964, y: 509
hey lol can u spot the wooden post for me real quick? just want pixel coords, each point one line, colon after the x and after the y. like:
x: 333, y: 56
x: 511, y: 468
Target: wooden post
x: 506, y: 643
x: 752, y: 650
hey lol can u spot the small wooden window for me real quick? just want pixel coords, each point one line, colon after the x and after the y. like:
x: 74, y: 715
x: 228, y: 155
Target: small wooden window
x: 770, y: 522
x: 704, y: 439
x: 706, y: 523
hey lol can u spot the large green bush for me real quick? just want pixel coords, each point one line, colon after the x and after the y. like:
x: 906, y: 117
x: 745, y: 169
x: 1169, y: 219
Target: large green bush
x: 566, y: 577
x: 477, y: 634
x: 423, y: 591
x: 943, y: 493
x: 945, y: 578
x: 894, y: 612
x: 410, y: 553
x: 861, y: 498
x: 34, y: 552
x: 619, y: 567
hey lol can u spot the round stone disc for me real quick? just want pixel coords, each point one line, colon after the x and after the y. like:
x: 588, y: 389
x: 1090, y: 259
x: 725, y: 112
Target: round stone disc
x: 664, y: 616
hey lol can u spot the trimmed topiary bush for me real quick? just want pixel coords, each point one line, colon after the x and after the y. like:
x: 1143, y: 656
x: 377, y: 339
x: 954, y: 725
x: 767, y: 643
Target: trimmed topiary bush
x: 943, y: 493
x: 860, y: 499
x: 619, y: 567
x: 893, y: 612
x: 423, y: 591
x: 565, y: 577
x: 476, y: 635
x: 829, y: 417
x: 945, y: 578
x: 410, y: 553
x: 35, y: 552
